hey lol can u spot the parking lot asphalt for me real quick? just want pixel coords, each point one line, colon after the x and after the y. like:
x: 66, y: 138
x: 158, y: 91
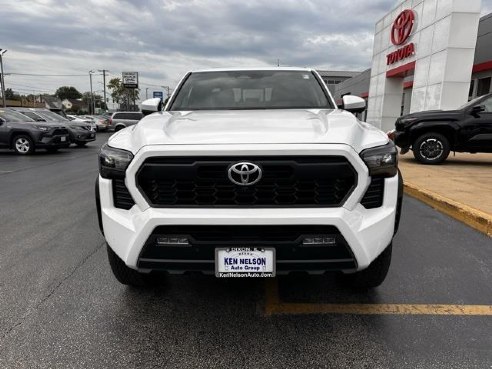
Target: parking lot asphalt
x: 60, y: 306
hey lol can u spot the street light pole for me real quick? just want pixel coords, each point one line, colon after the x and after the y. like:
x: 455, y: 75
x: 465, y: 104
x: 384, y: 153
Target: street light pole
x: 168, y: 90
x: 2, y: 51
x: 92, y: 108
x: 104, y: 82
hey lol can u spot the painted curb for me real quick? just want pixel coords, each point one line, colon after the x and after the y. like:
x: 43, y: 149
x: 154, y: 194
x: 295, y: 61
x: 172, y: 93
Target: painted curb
x: 472, y: 217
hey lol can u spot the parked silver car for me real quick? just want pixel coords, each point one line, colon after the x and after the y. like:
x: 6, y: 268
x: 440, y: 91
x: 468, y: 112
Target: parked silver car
x: 123, y: 119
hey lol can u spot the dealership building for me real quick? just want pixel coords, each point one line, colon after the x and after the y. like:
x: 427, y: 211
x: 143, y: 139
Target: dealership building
x: 427, y: 55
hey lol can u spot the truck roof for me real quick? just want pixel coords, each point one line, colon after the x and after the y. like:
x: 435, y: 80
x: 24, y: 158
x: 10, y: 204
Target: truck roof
x: 273, y: 68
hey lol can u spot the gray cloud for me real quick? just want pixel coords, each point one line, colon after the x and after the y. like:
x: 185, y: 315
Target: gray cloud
x: 162, y: 39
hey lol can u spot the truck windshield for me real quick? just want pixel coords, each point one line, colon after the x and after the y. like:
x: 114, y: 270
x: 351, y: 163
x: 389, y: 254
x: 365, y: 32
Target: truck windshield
x: 243, y: 90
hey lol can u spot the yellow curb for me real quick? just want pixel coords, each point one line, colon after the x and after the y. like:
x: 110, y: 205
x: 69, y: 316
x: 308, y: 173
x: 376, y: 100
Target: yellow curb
x: 472, y: 217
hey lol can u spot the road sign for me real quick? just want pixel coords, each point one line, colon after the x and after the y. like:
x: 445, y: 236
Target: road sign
x: 158, y: 94
x: 130, y: 79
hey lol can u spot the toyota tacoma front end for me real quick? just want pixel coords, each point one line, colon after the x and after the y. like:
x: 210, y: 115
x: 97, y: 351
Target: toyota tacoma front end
x: 250, y: 173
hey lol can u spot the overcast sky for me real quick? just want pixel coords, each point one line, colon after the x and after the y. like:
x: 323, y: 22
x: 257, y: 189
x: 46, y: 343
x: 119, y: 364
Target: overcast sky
x: 162, y: 39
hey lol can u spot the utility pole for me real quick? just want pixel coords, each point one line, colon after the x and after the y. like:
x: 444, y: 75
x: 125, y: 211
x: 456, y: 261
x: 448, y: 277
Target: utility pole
x: 2, y: 51
x: 168, y: 90
x: 104, y: 81
x: 92, y: 109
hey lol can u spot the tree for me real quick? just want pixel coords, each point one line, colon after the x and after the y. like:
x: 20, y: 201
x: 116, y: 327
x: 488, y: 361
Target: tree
x: 125, y: 97
x: 98, y: 101
x: 67, y: 92
x: 10, y: 95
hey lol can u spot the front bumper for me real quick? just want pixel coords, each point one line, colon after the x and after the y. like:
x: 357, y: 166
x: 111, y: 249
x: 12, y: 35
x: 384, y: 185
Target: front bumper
x: 402, y: 140
x: 82, y: 136
x: 56, y: 141
x: 366, y: 232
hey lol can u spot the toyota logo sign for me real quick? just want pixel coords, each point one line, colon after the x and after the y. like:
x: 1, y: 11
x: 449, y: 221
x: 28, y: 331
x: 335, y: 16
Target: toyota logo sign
x: 244, y: 173
x: 402, y: 27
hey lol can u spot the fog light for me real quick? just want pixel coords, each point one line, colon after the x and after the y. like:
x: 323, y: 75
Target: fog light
x: 176, y: 241
x: 319, y: 241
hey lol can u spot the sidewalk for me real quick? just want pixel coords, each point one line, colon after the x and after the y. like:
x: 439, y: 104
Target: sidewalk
x: 460, y: 187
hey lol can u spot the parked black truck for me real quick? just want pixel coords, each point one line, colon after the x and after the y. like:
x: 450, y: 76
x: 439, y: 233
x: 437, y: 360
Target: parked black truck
x: 432, y: 135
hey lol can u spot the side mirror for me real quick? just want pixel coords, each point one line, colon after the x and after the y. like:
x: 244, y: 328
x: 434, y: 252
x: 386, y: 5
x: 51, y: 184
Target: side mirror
x: 353, y: 104
x: 477, y: 109
x: 151, y: 106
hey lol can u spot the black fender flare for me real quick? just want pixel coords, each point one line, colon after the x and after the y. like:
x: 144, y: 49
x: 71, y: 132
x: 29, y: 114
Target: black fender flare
x: 98, y: 206
x: 445, y: 127
x: 399, y: 202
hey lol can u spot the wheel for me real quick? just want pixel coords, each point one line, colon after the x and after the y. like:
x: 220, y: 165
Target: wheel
x: 118, y: 128
x: 373, y: 275
x: 431, y: 148
x: 81, y: 144
x: 52, y: 150
x: 23, y: 145
x: 124, y: 274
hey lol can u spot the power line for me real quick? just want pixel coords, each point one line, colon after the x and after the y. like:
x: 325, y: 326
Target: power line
x: 149, y: 84
x: 46, y: 75
x: 31, y: 87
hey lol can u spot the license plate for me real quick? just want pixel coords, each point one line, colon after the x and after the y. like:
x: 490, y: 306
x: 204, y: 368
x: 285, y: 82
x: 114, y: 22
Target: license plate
x: 63, y: 139
x: 244, y: 262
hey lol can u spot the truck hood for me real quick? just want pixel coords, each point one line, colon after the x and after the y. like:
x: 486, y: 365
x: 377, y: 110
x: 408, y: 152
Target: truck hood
x: 435, y: 114
x: 311, y: 126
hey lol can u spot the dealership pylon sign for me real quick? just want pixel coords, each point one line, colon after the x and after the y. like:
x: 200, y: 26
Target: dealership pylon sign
x: 129, y: 79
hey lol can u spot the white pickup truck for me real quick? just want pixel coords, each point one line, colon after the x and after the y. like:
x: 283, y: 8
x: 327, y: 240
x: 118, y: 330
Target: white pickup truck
x: 250, y: 173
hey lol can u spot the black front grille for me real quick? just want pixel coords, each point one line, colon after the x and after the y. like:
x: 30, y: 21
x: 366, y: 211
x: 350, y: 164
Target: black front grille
x: 60, y: 131
x: 121, y: 197
x: 324, y: 181
x: 374, y: 195
x: 286, y: 240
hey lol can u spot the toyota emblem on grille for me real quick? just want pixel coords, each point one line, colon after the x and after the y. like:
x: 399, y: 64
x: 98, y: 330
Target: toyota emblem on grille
x: 244, y: 173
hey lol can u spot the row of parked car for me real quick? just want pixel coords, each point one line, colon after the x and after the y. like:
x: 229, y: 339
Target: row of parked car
x: 25, y: 130
x: 114, y: 122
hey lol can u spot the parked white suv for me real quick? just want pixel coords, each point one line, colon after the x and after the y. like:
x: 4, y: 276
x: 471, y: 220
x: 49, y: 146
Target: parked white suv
x: 250, y: 173
x: 123, y: 119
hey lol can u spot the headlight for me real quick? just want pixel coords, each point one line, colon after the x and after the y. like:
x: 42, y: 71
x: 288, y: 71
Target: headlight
x: 43, y: 128
x: 381, y: 160
x: 113, y: 162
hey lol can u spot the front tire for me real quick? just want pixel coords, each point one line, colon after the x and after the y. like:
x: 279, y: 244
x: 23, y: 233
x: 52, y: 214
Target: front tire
x: 373, y: 275
x: 23, y: 145
x: 124, y: 274
x: 81, y: 144
x: 431, y: 148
